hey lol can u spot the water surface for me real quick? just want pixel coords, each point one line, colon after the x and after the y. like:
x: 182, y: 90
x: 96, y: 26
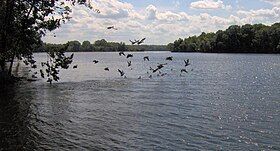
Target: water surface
x: 225, y: 102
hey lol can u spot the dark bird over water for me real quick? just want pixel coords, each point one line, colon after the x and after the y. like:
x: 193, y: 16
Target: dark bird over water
x: 129, y: 63
x: 106, y: 69
x: 95, y: 61
x: 112, y: 27
x: 187, y: 63
x: 169, y: 58
x: 184, y: 70
x: 121, y: 72
x: 75, y: 66
x: 121, y: 53
x: 159, y: 67
x: 129, y: 56
x: 146, y: 58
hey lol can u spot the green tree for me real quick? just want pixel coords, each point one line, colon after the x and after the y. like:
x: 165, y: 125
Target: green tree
x: 86, y: 46
x: 24, y: 22
x: 74, y: 46
x: 256, y: 38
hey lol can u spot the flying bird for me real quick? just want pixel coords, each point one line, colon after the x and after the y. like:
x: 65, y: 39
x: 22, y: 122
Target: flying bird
x: 129, y: 56
x: 184, y: 70
x: 141, y: 41
x: 169, y: 58
x: 95, y: 61
x: 121, y: 53
x: 129, y: 63
x: 75, y: 66
x: 121, y: 72
x: 187, y: 63
x: 112, y: 27
x: 106, y: 69
x: 139, y: 77
x: 134, y: 42
x: 159, y: 67
x: 146, y: 58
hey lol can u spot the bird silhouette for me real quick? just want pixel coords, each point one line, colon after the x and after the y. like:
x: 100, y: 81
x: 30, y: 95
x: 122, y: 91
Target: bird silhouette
x: 150, y: 76
x: 112, y: 27
x: 129, y: 56
x: 95, y: 61
x: 184, y: 70
x: 106, y: 69
x: 134, y: 42
x: 159, y: 67
x: 141, y: 41
x: 129, y: 63
x: 121, y: 53
x: 169, y: 58
x: 121, y: 72
x: 146, y: 58
x: 75, y: 66
x: 139, y: 77
x: 187, y: 63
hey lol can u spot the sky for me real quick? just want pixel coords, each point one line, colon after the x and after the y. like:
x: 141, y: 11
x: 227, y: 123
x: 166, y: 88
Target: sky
x: 161, y: 21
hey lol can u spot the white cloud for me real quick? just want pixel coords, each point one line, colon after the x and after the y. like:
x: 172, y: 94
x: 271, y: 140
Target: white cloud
x: 261, y: 13
x: 159, y: 26
x: 151, y: 12
x: 210, y: 4
x: 273, y: 2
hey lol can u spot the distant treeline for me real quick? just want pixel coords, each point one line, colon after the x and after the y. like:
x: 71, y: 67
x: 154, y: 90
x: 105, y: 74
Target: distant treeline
x: 248, y: 38
x: 99, y: 46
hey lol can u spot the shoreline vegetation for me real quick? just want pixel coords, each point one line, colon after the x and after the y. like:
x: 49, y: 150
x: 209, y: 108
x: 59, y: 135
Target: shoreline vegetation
x: 257, y: 38
x: 99, y: 46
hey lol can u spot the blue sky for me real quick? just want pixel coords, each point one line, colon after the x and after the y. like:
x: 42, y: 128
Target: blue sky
x: 161, y: 21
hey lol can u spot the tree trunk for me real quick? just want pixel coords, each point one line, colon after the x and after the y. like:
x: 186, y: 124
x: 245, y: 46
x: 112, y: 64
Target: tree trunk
x: 11, y: 65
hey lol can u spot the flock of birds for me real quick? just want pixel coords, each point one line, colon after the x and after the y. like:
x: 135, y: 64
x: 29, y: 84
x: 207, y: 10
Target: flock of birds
x: 158, y: 70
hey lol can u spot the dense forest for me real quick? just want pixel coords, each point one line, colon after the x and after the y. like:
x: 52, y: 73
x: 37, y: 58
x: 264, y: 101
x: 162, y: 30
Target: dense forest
x: 248, y: 38
x: 99, y: 46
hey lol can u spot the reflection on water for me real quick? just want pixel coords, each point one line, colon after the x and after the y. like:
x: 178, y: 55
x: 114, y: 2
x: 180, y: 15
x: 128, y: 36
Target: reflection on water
x: 228, y: 102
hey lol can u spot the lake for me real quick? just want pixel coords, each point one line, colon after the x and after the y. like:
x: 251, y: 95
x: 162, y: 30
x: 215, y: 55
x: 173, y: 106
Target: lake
x: 224, y: 102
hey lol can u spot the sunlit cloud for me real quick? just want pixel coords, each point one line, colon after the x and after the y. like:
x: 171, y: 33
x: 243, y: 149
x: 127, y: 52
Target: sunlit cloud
x: 159, y: 26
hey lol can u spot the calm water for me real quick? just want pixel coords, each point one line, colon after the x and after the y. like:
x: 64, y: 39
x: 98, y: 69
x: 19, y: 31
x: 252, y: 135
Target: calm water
x: 227, y: 102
